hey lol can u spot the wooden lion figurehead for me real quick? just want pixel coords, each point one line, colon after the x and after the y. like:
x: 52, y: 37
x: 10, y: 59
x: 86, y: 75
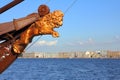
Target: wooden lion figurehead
x: 49, y: 22
x: 44, y: 26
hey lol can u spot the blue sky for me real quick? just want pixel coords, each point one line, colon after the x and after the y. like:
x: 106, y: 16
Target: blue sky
x: 88, y: 25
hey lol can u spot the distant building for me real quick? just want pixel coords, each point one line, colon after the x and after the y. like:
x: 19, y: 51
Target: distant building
x: 113, y: 54
x: 32, y: 55
x: 87, y: 54
x: 92, y: 54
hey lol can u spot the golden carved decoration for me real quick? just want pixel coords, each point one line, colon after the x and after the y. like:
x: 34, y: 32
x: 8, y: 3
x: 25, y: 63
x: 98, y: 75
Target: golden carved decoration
x: 44, y: 26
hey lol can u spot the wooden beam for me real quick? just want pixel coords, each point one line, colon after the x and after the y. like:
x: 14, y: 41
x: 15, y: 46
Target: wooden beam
x: 10, y: 5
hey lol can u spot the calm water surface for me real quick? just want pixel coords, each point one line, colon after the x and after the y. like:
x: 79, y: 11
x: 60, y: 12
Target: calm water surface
x: 63, y: 69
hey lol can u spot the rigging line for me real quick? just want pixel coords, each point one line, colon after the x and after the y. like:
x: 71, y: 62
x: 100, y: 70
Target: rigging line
x: 70, y: 6
x: 47, y: 1
x: 33, y: 42
x: 40, y: 36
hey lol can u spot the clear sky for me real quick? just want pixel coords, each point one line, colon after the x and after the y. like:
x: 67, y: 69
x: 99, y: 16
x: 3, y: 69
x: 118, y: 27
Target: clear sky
x: 88, y: 25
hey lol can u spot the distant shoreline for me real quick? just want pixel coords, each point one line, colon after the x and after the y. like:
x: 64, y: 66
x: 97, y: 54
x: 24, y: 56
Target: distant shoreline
x: 71, y: 55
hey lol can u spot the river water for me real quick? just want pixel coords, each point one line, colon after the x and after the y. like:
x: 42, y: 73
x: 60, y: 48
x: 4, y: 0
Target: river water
x: 63, y: 69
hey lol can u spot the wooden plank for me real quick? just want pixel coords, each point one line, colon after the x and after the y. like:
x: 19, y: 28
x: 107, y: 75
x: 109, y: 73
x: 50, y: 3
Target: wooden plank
x: 6, y: 27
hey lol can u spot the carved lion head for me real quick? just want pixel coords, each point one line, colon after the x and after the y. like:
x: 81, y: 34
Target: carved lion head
x: 47, y: 23
x: 53, y: 20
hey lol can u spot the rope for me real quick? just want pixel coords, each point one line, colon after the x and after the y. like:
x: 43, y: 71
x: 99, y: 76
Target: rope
x: 39, y: 36
x: 70, y: 6
x: 64, y: 13
x: 33, y: 42
x: 47, y: 1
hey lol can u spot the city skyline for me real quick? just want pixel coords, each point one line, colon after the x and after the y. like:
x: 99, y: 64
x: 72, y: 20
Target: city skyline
x: 87, y: 24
